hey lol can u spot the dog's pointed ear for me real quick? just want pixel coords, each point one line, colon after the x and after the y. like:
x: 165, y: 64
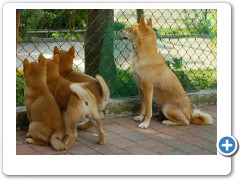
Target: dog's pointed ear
x: 26, y: 67
x: 26, y: 63
x: 40, y: 57
x: 142, y: 22
x: 149, y: 23
x: 55, y: 50
x: 55, y: 58
x: 71, y: 51
x: 43, y: 61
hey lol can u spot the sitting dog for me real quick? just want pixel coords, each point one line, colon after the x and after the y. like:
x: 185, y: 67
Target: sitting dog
x: 46, y: 123
x: 75, y: 101
x: 97, y: 86
x: 156, y: 82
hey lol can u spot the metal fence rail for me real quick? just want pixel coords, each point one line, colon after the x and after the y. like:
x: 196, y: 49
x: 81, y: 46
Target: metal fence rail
x: 186, y: 38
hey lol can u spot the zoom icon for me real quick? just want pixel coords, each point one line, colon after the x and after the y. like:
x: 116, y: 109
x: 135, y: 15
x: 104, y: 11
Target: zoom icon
x: 227, y: 146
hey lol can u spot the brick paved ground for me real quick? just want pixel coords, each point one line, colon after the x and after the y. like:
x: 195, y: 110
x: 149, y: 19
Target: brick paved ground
x: 124, y: 137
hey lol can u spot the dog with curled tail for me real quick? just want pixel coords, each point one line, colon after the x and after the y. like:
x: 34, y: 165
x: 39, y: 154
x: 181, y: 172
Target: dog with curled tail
x: 156, y: 81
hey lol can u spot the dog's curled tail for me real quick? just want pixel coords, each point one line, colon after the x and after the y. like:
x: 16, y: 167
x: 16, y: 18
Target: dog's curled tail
x: 201, y: 118
x: 77, y: 89
x: 104, y: 92
x: 56, y: 142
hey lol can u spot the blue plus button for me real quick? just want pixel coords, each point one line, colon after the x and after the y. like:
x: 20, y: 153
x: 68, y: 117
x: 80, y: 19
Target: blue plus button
x: 227, y: 146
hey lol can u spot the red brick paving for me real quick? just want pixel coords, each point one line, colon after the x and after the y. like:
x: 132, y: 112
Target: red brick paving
x: 124, y: 137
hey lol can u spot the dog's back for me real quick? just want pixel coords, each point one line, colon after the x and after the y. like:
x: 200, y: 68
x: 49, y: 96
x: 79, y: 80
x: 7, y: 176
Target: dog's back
x: 97, y: 86
x: 43, y: 112
x: 74, y: 100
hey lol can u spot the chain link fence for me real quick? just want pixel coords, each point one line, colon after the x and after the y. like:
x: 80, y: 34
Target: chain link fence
x: 186, y: 38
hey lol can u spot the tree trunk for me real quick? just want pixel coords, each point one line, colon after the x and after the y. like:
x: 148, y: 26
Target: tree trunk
x: 17, y: 27
x: 139, y: 14
x: 98, y: 41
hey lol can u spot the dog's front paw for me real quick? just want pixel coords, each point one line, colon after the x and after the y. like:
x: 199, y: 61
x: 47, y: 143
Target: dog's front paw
x: 103, y: 142
x: 143, y: 125
x: 28, y: 135
x: 167, y: 122
x: 30, y: 141
x: 138, y: 118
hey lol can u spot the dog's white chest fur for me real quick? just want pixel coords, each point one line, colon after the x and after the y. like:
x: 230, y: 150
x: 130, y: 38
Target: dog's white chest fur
x: 134, y: 68
x: 133, y: 58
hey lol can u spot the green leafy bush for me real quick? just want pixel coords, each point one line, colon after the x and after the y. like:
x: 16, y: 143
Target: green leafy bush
x: 68, y: 35
x: 176, y: 66
x: 20, y: 84
x: 192, y: 80
x: 118, y: 26
x: 124, y: 85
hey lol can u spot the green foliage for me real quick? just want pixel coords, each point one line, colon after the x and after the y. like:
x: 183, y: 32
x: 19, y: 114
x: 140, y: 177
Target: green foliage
x: 213, y: 42
x: 124, y: 85
x: 118, y: 26
x: 29, y: 21
x: 20, y: 84
x: 68, y: 35
x: 194, y: 79
x: 39, y: 19
x: 213, y: 19
x: 203, y: 78
x: 168, y: 31
x: 176, y: 65
x: 199, y: 22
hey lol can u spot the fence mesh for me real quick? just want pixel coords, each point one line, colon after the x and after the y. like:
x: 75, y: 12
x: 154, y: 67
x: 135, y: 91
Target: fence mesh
x: 186, y: 38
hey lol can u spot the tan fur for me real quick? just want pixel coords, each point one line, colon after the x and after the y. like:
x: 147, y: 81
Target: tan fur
x: 156, y: 82
x: 75, y: 101
x: 97, y: 86
x: 46, y: 124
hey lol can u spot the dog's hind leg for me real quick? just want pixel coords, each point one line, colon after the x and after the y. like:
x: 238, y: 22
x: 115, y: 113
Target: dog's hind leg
x: 40, y: 134
x: 85, y: 125
x: 98, y: 125
x: 175, y: 116
x: 71, y: 118
x: 71, y: 130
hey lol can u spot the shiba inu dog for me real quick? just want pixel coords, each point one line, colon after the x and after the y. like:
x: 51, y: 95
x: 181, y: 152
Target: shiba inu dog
x: 156, y: 82
x: 97, y: 86
x: 46, y: 123
x: 75, y: 101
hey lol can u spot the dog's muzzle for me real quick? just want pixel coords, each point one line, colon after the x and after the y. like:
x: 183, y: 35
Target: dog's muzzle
x: 123, y: 35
